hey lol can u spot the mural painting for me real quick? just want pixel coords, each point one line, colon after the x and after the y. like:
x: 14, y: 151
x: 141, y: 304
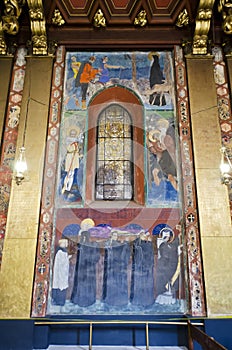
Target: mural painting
x: 71, y: 159
x: 116, y: 256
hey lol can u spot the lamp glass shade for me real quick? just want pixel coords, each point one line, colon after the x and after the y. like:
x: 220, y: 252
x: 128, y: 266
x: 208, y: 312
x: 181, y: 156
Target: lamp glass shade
x: 225, y: 167
x: 21, y: 164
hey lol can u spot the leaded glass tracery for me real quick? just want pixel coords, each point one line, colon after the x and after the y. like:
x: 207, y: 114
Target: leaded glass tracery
x: 114, y: 179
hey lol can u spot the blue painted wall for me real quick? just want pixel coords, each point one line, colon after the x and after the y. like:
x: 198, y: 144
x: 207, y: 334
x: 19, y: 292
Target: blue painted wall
x: 25, y: 335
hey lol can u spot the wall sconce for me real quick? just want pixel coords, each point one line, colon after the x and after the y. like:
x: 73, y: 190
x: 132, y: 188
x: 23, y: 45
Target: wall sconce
x: 226, y: 166
x: 20, y: 167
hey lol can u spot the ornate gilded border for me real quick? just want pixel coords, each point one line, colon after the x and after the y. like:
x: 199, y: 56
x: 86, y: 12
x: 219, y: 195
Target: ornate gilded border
x: 190, y: 214
x: 41, y: 283
x: 223, y: 103
x: 10, y: 138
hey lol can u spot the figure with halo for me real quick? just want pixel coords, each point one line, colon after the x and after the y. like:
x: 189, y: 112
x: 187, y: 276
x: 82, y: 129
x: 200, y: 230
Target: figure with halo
x: 71, y: 185
x: 168, y: 266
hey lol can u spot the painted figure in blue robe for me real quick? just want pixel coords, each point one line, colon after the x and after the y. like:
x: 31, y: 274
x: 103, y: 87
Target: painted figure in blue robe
x: 115, y: 279
x: 105, y: 75
x: 163, y: 184
x: 84, y: 289
x: 142, y: 282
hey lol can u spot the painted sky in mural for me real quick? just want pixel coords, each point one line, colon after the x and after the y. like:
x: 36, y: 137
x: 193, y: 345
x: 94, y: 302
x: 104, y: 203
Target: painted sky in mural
x: 150, y: 76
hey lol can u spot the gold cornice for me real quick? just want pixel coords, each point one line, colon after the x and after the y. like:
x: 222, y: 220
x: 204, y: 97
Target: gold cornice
x: 225, y: 8
x: 3, y: 47
x: 99, y: 19
x: 57, y: 18
x: 141, y: 19
x: 182, y: 19
x: 12, y: 11
x: 203, y: 20
x: 199, y: 57
x: 38, y: 27
x: 9, y: 21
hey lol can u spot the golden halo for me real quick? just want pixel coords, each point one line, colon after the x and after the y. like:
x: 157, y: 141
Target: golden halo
x: 162, y: 123
x: 172, y: 235
x: 154, y: 135
x: 151, y: 54
x: 87, y: 222
x: 62, y: 242
x: 75, y: 128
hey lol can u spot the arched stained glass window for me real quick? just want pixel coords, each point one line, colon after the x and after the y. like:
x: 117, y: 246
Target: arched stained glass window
x: 114, y: 176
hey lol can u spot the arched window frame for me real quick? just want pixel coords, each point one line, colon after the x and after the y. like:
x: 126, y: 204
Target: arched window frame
x: 114, y: 173
x: 131, y: 103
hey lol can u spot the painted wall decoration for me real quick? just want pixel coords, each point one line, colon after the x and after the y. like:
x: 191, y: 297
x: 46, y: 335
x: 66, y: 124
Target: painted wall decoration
x: 114, y: 256
x: 99, y: 268
x: 71, y: 165
x: 92, y: 249
x: 150, y: 76
x: 162, y: 168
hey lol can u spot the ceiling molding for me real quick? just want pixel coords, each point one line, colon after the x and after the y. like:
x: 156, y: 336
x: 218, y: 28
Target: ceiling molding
x: 74, y: 24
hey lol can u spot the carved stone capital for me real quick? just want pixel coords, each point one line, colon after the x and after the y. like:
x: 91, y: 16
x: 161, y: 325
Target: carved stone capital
x: 203, y: 19
x: 225, y: 8
x: 3, y: 47
x: 38, y: 28
x: 12, y: 11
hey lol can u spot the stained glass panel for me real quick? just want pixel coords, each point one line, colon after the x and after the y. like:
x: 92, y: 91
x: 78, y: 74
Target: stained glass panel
x: 114, y: 155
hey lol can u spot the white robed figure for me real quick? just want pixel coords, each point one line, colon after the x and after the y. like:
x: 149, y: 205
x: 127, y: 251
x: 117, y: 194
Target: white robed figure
x: 72, y: 158
x: 60, y: 273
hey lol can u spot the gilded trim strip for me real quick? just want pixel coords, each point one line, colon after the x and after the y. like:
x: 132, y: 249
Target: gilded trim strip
x: 9, y: 140
x: 41, y: 284
x: 195, y: 271
x: 223, y: 103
